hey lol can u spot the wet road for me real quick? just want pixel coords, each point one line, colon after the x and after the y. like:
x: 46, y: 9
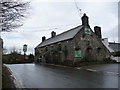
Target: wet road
x: 47, y: 76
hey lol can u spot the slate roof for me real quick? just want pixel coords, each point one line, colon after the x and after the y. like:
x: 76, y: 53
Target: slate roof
x: 61, y: 37
x: 114, y: 46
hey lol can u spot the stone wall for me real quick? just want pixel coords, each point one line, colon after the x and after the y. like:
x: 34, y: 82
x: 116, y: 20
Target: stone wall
x: 56, y: 53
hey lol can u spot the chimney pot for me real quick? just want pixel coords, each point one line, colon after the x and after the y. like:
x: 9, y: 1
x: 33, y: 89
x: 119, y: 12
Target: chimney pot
x: 43, y: 38
x: 53, y: 34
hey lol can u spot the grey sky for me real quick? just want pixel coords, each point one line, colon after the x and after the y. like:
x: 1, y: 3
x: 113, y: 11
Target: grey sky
x: 47, y: 16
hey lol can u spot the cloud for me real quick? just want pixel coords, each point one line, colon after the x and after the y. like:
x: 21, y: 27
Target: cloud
x: 61, y: 16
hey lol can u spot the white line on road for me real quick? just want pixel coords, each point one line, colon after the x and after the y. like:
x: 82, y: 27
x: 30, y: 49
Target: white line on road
x: 92, y: 70
x: 112, y: 72
x: 78, y: 67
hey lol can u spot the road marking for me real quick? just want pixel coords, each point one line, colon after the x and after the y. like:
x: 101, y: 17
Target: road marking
x: 112, y: 73
x: 78, y: 68
x: 92, y: 70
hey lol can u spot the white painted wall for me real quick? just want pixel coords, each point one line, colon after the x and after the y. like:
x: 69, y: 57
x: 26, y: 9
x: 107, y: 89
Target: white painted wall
x: 1, y: 51
x: 106, y: 43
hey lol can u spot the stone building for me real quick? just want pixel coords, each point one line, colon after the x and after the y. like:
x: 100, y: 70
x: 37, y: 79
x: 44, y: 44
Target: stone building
x: 72, y: 46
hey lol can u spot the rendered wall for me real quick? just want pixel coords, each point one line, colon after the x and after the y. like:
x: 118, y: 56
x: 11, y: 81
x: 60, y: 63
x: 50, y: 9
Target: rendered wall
x: 1, y: 49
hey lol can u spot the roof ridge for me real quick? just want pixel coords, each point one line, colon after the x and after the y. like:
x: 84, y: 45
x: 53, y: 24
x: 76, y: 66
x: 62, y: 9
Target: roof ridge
x: 114, y: 42
x: 63, y: 32
x: 69, y: 34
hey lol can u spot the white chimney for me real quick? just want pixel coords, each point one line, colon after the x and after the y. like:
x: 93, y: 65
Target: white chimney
x: 105, y: 42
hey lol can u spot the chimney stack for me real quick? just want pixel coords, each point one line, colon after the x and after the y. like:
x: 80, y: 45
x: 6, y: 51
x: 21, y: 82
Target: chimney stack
x: 43, y: 38
x: 97, y: 31
x: 53, y: 34
x: 85, y: 21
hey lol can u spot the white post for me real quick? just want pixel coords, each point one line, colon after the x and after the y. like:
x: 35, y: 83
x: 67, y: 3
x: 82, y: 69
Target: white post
x: 1, y: 52
x: 1, y: 47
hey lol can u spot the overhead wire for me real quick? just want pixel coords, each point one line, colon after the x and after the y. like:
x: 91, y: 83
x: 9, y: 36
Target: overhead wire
x: 41, y: 29
x: 57, y: 27
x: 78, y: 9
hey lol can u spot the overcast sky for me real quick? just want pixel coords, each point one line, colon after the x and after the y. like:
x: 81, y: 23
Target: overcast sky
x: 46, y: 16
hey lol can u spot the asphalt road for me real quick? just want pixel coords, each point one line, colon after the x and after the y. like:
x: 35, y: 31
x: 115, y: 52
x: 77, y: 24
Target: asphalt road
x: 48, y: 76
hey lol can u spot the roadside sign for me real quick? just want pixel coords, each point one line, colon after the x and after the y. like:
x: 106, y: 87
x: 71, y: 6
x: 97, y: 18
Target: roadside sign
x: 24, y: 48
x: 78, y: 54
x: 87, y: 31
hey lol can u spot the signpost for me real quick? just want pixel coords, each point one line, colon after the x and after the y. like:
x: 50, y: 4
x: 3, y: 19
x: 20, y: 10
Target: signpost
x: 24, y: 50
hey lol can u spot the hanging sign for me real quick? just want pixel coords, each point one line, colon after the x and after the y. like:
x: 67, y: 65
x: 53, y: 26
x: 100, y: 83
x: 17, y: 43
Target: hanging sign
x: 24, y: 48
x: 77, y: 53
x: 87, y: 31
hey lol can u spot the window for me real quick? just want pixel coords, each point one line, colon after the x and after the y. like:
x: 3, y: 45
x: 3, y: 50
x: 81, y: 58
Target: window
x: 91, y: 35
x: 59, y: 47
x: 46, y: 48
x: 89, y: 50
x: 77, y: 47
x: 51, y: 45
x: 98, y: 49
x: 77, y: 52
x: 2, y: 44
x: 87, y: 42
x: 52, y: 48
x: 83, y: 35
x: 65, y: 47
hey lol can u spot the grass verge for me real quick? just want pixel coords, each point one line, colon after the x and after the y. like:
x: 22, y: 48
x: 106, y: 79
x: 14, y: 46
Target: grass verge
x: 7, y: 81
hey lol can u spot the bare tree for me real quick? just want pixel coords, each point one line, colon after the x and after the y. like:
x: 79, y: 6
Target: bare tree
x: 12, y: 12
